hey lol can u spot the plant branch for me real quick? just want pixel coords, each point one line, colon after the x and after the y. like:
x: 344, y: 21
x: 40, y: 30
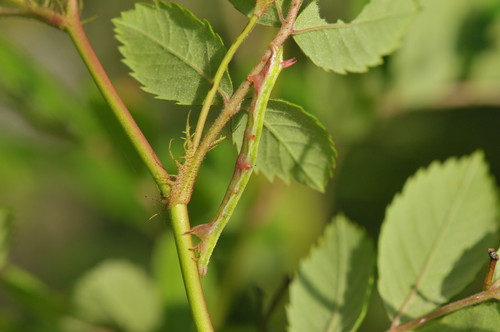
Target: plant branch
x: 492, y: 293
x: 217, y: 79
x: 75, y: 30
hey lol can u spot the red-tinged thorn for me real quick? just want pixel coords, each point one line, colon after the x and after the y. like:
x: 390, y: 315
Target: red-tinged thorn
x: 288, y: 63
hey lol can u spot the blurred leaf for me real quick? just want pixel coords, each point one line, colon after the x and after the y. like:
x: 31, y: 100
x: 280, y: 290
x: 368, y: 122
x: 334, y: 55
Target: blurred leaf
x: 331, y: 289
x: 5, y: 233
x: 294, y: 145
x: 429, y: 60
x: 119, y: 293
x: 354, y: 46
x: 30, y: 291
x: 481, y: 318
x: 43, y: 101
x: 435, y: 235
x: 172, y: 54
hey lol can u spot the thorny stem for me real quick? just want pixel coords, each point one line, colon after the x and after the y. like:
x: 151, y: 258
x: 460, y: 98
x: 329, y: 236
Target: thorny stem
x: 182, y: 190
x: 217, y: 79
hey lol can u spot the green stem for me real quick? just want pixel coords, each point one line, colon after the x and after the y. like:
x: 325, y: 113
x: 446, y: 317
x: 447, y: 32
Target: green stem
x: 75, y: 29
x: 217, y: 79
x: 492, y: 293
x: 192, y: 283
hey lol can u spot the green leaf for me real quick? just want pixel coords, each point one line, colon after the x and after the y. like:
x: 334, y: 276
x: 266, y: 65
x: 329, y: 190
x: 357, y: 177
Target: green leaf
x: 354, y: 46
x: 119, y: 293
x: 294, y: 145
x: 435, y: 235
x: 480, y: 318
x: 331, y: 288
x: 172, y: 54
x: 5, y: 232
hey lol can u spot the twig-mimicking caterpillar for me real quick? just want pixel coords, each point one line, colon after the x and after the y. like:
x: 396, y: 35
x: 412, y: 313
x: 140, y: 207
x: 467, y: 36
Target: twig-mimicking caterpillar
x: 263, y: 84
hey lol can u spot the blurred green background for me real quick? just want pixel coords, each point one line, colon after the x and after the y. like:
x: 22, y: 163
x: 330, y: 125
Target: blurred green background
x: 79, y: 196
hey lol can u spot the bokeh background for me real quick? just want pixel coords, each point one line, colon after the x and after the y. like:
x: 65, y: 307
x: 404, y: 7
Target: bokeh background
x: 79, y: 196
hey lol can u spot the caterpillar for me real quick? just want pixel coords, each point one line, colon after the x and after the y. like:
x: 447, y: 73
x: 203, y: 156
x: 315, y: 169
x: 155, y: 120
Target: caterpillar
x: 209, y: 233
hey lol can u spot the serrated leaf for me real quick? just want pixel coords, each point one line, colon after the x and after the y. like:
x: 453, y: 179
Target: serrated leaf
x: 121, y: 294
x: 294, y: 145
x: 354, y: 46
x: 331, y: 288
x: 481, y: 318
x: 5, y: 232
x: 435, y: 235
x: 171, y: 53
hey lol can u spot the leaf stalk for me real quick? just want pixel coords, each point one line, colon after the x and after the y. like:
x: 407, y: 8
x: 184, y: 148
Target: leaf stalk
x: 207, y: 103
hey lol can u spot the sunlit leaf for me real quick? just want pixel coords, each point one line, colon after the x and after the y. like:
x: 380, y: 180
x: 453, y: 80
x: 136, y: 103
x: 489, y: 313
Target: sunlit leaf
x: 294, y: 146
x: 119, y: 293
x: 435, y: 236
x: 330, y: 290
x: 354, y: 46
x: 171, y: 53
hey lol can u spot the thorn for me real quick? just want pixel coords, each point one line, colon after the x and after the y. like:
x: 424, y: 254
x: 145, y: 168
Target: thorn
x: 288, y: 63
